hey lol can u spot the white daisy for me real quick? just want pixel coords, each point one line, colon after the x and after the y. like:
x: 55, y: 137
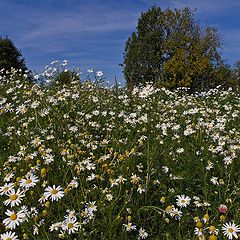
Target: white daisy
x: 183, y: 201
x: 35, y: 230
x: 71, y: 214
x: 176, y: 213
x: 55, y: 193
x: 109, y: 197
x: 91, y: 207
x: 8, y: 177
x: 141, y: 189
x: 42, y: 199
x: 71, y: 225
x: 15, y: 198
x: 29, y: 181
x: 134, y: 179
x: 142, y: 233
x: 230, y: 230
x: 55, y: 226
x: 121, y: 179
x: 14, y: 219
x: 130, y: 227
x: 9, y: 236
x: 198, y: 232
x: 6, y: 188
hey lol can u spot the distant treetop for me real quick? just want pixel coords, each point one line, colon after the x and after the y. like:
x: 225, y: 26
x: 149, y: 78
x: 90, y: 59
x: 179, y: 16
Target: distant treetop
x: 10, y: 57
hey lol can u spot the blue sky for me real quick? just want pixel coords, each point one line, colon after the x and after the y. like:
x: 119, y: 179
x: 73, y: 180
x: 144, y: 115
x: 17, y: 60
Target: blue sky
x: 92, y: 33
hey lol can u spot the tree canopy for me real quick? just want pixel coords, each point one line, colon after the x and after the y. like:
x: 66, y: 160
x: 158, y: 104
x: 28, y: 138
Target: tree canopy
x: 170, y: 49
x: 10, y: 56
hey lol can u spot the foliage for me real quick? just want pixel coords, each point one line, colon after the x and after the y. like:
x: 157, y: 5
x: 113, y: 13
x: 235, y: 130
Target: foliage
x: 169, y: 49
x: 65, y: 78
x: 81, y: 161
x: 10, y: 57
x: 227, y: 76
x: 236, y: 71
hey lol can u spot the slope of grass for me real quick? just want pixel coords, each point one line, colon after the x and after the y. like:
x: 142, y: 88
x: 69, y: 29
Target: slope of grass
x: 81, y: 161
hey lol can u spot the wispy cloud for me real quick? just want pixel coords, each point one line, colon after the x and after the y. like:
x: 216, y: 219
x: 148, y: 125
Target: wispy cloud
x: 80, y: 28
x: 41, y: 23
x: 59, y: 25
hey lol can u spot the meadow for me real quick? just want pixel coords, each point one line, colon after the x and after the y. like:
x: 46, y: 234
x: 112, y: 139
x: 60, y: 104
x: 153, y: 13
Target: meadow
x: 86, y: 161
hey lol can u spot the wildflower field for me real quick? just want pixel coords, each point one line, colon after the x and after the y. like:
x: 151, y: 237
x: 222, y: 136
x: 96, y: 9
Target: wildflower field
x: 84, y: 161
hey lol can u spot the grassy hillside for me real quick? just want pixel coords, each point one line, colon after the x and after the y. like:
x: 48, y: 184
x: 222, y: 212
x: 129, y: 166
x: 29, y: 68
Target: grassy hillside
x: 81, y: 161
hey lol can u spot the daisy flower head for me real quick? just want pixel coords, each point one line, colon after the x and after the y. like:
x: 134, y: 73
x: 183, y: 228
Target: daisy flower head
x: 177, y: 214
x: 29, y: 181
x: 91, y: 207
x: 141, y: 189
x: 55, y: 193
x: 213, y: 230
x: 134, y: 179
x: 70, y: 225
x: 14, y: 218
x: 198, y: 232
x: 56, y: 226
x: 109, y: 197
x: 14, y: 198
x: 6, y: 188
x: 223, y: 208
x: 142, y: 233
x: 8, y: 177
x: 9, y: 236
x: 230, y: 230
x: 71, y: 214
x: 42, y: 199
x: 99, y: 73
x: 129, y: 227
x: 121, y: 179
x: 183, y: 201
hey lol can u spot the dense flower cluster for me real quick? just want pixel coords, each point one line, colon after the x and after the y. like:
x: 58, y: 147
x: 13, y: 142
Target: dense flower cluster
x: 84, y: 161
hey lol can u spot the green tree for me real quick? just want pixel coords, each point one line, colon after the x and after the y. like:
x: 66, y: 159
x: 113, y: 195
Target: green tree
x: 65, y: 78
x: 236, y: 70
x: 10, y: 56
x: 170, y: 49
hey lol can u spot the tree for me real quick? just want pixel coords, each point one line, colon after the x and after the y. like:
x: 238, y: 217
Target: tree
x: 236, y: 69
x: 170, y: 49
x: 10, y: 56
x: 65, y: 78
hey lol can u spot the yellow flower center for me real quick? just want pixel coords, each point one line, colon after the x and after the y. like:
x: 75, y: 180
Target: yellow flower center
x: 54, y: 191
x: 70, y: 225
x: 13, y: 197
x: 231, y: 230
x: 212, y: 228
x: 206, y: 216
x: 212, y: 237
x: 28, y: 181
x: 5, y: 189
x: 13, y: 217
x: 199, y: 224
x: 169, y: 208
x: 183, y: 201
